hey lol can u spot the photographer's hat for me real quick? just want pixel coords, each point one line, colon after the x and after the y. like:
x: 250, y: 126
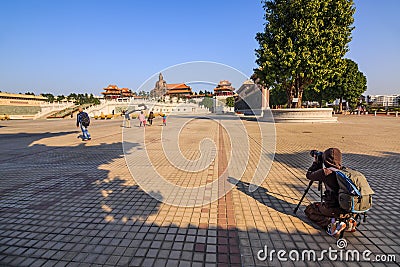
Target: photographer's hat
x: 332, y: 158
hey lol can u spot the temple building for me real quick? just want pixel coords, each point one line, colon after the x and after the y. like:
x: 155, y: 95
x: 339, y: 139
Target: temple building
x: 126, y: 92
x: 224, y: 88
x: 113, y: 92
x: 179, y: 90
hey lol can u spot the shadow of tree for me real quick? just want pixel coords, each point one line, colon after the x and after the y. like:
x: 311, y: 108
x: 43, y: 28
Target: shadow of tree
x: 53, y: 175
x: 18, y: 144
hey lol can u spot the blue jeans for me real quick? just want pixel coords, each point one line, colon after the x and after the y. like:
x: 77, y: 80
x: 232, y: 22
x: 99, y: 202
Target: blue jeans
x: 85, y: 133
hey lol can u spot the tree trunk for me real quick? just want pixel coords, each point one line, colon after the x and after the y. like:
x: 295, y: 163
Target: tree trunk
x: 300, y: 97
x: 295, y: 90
x: 289, y: 94
x: 289, y: 97
x: 340, y: 105
x: 298, y: 92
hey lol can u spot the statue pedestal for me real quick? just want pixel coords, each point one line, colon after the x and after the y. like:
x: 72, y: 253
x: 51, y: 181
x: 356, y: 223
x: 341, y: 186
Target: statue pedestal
x: 302, y: 115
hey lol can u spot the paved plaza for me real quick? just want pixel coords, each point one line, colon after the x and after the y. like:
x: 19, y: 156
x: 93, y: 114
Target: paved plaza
x: 64, y: 202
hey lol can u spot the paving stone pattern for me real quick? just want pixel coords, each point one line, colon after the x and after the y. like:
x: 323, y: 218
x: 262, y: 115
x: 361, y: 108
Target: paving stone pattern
x: 64, y: 202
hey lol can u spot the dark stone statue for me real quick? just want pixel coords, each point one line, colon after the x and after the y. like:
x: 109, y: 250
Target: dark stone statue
x: 160, y: 88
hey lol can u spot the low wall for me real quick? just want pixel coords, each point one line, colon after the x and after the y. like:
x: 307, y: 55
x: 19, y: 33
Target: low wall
x: 22, y: 117
x: 19, y: 110
x: 302, y: 115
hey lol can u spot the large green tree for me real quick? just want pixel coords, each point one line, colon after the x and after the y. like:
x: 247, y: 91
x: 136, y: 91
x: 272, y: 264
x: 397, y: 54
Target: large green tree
x: 303, y: 43
x: 72, y: 97
x: 60, y: 98
x: 349, y: 85
x: 144, y: 94
x: 207, y: 102
x: 277, y: 96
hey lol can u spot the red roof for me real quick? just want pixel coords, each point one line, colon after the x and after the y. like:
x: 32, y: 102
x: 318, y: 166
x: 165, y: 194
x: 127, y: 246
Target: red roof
x: 111, y: 86
x: 224, y: 85
x: 177, y: 86
x: 112, y: 89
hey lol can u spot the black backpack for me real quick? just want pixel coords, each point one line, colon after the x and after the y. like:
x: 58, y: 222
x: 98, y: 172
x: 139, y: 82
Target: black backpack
x: 85, y: 120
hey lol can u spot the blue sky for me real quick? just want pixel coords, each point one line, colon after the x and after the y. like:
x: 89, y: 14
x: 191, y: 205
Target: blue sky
x: 82, y: 46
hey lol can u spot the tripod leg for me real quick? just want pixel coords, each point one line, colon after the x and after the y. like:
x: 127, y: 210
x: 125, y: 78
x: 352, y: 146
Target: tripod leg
x: 320, y: 189
x: 301, y: 200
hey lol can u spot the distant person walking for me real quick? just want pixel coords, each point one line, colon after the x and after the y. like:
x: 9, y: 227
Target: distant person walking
x: 83, y: 120
x: 164, y: 120
x: 127, y: 119
x: 150, y: 118
x: 142, y: 119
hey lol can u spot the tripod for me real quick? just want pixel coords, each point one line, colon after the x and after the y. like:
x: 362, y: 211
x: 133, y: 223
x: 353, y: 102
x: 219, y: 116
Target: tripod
x: 305, y: 193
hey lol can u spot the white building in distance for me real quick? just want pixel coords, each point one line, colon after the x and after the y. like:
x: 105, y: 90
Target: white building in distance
x: 385, y: 100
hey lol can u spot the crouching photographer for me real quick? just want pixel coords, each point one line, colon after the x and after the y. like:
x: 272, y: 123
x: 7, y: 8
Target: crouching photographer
x: 322, y: 170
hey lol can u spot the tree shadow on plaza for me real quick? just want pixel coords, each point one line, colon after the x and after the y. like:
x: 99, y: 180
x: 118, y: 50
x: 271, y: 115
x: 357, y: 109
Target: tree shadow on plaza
x: 302, y: 160
x: 299, y: 160
x: 25, y: 139
x: 20, y: 144
x: 53, y: 179
x: 44, y: 178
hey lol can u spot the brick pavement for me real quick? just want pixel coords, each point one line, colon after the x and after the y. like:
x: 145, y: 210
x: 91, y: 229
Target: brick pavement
x: 68, y: 203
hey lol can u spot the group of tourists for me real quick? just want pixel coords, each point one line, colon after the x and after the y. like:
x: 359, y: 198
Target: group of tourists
x: 142, y: 119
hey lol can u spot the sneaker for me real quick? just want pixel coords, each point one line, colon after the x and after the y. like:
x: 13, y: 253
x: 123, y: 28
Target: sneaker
x: 340, y: 226
x: 334, y: 229
x: 351, y: 225
x: 339, y: 229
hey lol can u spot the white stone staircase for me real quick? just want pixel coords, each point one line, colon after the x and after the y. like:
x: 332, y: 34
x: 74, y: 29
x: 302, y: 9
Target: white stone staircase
x: 49, y: 108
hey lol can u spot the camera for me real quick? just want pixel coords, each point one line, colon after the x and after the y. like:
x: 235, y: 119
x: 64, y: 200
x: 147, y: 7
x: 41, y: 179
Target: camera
x: 318, y: 155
